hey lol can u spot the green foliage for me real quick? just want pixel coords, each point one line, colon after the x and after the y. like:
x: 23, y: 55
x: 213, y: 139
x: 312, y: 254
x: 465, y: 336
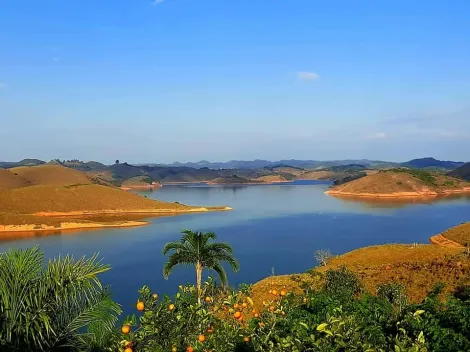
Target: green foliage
x: 62, y: 305
x: 196, y: 248
x: 342, y: 282
x: 422, y: 175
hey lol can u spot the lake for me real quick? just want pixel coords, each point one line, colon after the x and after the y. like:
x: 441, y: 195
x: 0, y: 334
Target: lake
x: 272, y: 228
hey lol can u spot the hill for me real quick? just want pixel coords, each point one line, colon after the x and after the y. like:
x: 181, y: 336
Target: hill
x: 55, y: 175
x: 401, y: 183
x: 9, y: 180
x: 459, y: 235
x: 234, y: 179
x: 429, y: 162
x: 462, y: 172
x: 49, y: 197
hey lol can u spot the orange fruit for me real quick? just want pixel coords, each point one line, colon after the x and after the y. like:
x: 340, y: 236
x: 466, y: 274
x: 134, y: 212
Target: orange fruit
x: 140, y: 306
x: 208, y: 300
x: 189, y: 349
x: 237, y: 315
x: 201, y: 338
x: 125, y: 329
x: 210, y: 331
x: 244, y: 305
x: 274, y: 292
x: 225, y: 308
x: 171, y: 307
x: 272, y: 308
x: 155, y: 296
x: 246, y: 339
x: 283, y: 293
x: 283, y: 314
x: 270, y: 291
x: 128, y: 349
x: 174, y: 349
x: 264, y: 303
x: 256, y: 315
x: 236, y: 305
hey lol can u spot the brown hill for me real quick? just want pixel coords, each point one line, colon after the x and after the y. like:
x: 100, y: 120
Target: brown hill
x: 417, y: 267
x: 63, y: 198
x: 272, y: 179
x: 79, y: 198
x: 9, y: 180
x: 53, y: 175
x: 401, y: 183
x: 139, y: 182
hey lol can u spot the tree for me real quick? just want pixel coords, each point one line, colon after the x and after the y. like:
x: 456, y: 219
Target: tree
x: 61, y: 306
x: 196, y: 248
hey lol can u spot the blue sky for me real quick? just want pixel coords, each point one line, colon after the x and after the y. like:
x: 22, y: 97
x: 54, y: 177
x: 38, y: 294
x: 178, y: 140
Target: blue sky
x: 186, y: 80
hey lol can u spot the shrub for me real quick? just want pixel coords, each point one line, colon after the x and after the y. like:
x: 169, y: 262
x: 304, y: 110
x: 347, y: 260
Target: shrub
x: 342, y: 282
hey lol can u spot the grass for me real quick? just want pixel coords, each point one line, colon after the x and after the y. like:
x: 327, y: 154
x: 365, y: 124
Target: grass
x: 51, y: 175
x: 459, y: 234
x: 418, y: 268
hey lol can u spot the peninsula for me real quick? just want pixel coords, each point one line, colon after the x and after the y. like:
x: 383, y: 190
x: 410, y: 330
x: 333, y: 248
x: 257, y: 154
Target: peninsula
x: 53, y: 197
x: 401, y: 183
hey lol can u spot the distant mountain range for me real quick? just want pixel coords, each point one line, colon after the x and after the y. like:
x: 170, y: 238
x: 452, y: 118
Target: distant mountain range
x: 304, y: 164
x: 255, y: 170
x: 425, y: 163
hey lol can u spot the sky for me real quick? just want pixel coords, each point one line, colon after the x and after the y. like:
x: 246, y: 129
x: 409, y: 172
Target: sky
x: 185, y: 80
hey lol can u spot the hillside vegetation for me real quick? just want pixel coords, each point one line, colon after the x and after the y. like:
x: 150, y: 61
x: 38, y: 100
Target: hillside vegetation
x: 402, y: 182
x: 462, y: 172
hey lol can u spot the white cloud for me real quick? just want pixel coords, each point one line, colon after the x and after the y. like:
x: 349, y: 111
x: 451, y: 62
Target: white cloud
x: 378, y: 135
x: 307, y: 76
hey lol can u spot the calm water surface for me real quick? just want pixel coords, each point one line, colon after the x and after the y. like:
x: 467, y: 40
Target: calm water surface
x: 272, y: 227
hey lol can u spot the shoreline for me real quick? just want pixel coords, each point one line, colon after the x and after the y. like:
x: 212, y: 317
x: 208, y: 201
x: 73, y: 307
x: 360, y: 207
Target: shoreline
x: 424, y: 194
x: 39, y: 228
x: 76, y: 224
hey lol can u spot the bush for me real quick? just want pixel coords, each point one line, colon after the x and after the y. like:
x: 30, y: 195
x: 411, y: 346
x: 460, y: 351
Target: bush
x: 342, y: 282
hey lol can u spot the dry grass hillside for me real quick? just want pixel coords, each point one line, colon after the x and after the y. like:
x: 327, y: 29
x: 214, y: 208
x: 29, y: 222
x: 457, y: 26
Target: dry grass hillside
x: 79, y: 198
x: 52, y: 175
x: 9, y: 180
x: 139, y: 182
x: 271, y: 178
x: 459, y: 234
x: 402, y: 182
x: 417, y: 267
x: 55, y: 197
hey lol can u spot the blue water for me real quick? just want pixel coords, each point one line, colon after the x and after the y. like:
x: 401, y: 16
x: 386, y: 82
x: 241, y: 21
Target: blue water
x: 271, y: 228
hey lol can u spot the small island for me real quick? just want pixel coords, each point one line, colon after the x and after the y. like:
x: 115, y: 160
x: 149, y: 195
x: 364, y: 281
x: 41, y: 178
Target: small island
x: 401, y: 183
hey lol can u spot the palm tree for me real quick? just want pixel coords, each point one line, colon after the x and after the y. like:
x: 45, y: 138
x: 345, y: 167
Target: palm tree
x: 61, y: 306
x: 196, y: 248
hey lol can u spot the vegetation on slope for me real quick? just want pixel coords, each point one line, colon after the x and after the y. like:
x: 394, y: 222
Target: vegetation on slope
x: 362, y: 306
x: 401, y: 180
x: 462, y: 172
